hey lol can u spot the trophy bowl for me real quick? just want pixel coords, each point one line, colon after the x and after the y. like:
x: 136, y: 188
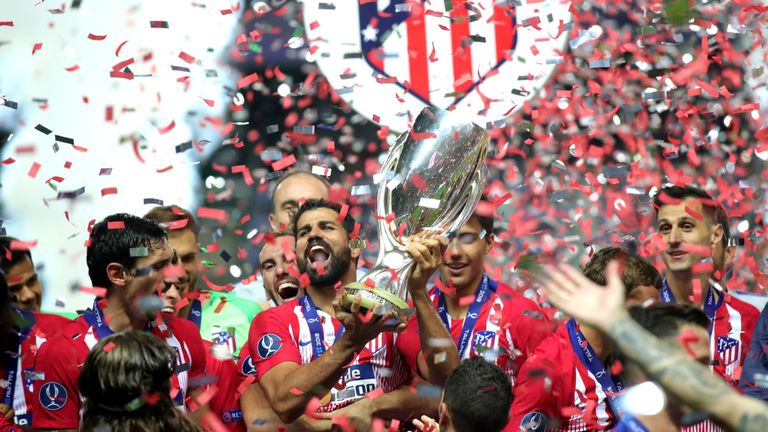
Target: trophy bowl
x: 432, y: 179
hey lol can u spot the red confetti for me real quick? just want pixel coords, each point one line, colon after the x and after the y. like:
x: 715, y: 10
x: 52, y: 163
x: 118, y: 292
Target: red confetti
x: 72, y: 68
x: 109, y: 191
x: 98, y: 292
x: 109, y: 346
x: 186, y: 57
x: 119, y: 47
x: 38, y: 46
x: 247, y: 80
x: 6, y: 23
x: 168, y: 128
x: 92, y: 36
x: 284, y: 163
x: 34, y: 169
x: 115, y: 225
x: 211, y: 213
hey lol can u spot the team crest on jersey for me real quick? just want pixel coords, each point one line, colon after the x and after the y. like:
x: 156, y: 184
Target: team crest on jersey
x: 482, y: 58
x: 53, y: 396
x: 728, y: 349
x: 268, y: 345
x: 483, y: 339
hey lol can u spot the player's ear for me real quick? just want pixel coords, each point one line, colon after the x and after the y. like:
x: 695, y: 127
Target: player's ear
x: 488, y: 243
x: 716, y: 236
x: 117, y: 274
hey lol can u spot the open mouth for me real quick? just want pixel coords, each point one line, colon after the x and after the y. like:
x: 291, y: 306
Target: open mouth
x: 288, y: 289
x: 169, y: 309
x: 677, y: 253
x: 318, y: 254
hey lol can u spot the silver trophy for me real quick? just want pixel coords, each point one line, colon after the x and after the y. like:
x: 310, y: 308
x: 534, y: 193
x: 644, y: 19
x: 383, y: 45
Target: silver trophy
x: 433, y: 178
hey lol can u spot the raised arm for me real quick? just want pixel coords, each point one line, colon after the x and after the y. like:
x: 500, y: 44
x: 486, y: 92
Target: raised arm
x: 680, y: 375
x: 437, y: 348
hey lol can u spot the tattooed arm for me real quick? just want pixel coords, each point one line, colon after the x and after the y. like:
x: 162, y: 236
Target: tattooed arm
x: 681, y: 376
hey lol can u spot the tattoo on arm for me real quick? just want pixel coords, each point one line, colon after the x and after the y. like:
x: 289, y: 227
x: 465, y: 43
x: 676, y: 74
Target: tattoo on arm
x: 753, y: 422
x: 678, y: 374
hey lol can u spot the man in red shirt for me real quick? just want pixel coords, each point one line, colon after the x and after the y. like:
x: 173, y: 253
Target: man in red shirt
x: 277, y: 260
x: 311, y: 356
x: 23, y: 282
x: 483, y: 316
x: 568, y: 384
x: 688, y: 223
x: 129, y: 258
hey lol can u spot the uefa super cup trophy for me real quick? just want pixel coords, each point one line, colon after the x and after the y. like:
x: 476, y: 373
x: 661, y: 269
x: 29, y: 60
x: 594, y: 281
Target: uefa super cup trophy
x: 432, y: 179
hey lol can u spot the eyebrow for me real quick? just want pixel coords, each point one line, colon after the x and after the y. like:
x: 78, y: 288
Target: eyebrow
x: 288, y: 203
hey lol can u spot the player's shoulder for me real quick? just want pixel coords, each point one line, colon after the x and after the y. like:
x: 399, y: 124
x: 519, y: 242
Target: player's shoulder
x: 553, y: 349
x: 50, y: 323
x: 283, y: 313
x: 180, y: 327
x: 743, y: 307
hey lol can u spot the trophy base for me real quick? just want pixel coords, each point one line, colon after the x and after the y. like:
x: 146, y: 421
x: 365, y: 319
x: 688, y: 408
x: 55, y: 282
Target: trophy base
x: 370, y: 298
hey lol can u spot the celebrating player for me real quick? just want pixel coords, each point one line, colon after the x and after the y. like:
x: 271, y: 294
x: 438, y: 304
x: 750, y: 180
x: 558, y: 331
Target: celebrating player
x: 312, y: 356
x: 687, y: 221
x: 129, y: 257
x: 482, y: 317
x: 568, y: 382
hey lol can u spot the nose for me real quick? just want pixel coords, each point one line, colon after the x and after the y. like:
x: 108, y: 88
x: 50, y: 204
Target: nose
x: 675, y: 236
x: 453, y: 249
x: 172, y: 294
x: 25, y: 295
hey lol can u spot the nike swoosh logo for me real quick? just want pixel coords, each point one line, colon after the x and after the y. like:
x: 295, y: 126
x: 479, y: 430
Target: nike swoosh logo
x: 304, y: 343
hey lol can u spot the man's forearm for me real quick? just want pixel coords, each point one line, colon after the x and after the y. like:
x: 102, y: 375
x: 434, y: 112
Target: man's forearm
x: 404, y: 403
x: 441, y: 358
x: 313, y: 379
x: 684, y: 378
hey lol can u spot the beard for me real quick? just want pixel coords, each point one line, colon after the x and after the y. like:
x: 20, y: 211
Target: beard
x: 339, y: 264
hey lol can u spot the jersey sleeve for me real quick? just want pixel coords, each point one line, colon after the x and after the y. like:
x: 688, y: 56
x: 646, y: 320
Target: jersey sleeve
x: 57, y: 396
x: 534, y: 401
x: 245, y: 365
x: 408, y: 343
x: 270, y: 342
x: 756, y: 361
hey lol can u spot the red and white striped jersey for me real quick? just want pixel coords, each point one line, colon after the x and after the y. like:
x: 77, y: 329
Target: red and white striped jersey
x: 281, y: 334
x: 509, y: 324
x: 732, y: 330
x: 44, y: 327
x: 57, y: 400
x: 554, y: 384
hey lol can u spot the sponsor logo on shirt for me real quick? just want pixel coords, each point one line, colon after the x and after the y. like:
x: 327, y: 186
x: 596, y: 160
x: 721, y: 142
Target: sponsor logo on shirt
x: 231, y: 416
x: 728, y: 349
x: 357, y: 380
x: 534, y: 422
x: 248, y: 367
x: 53, y: 396
x: 268, y: 345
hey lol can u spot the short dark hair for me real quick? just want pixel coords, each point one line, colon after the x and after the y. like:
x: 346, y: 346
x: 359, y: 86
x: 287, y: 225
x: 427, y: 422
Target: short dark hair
x: 116, y: 383
x: 114, y: 244
x: 665, y: 319
x: 636, y: 270
x: 486, y: 222
x: 478, y: 395
x: 712, y: 209
x: 312, y: 204
x: 16, y: 256
x: 293, y: 173
x: 167, y: 215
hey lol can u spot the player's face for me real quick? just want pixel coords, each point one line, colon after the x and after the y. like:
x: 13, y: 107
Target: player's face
x: 148, y: 277
x: 463, y: 259
x: 184, y: 244
x: 289, y: 194
x: 279, y: 283
x: 322, y: 247
x: 24, y: 284
x: 680, y: 228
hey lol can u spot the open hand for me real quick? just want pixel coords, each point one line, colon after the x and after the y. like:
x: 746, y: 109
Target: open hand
x: 573, y: 293
x: 426, y: 424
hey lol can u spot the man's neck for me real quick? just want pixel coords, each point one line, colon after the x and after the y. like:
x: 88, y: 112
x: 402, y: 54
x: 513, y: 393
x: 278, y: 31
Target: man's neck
x: 323, y: 297
x: 457, y: 304
x: 681, y: 284
x: 118, y: 320
x: 600, y: 344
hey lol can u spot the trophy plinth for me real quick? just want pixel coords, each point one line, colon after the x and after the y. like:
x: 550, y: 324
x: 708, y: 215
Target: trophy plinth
x: 432, y: 178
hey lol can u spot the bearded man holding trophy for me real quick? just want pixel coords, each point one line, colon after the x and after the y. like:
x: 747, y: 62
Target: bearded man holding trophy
x: 332, y: 354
